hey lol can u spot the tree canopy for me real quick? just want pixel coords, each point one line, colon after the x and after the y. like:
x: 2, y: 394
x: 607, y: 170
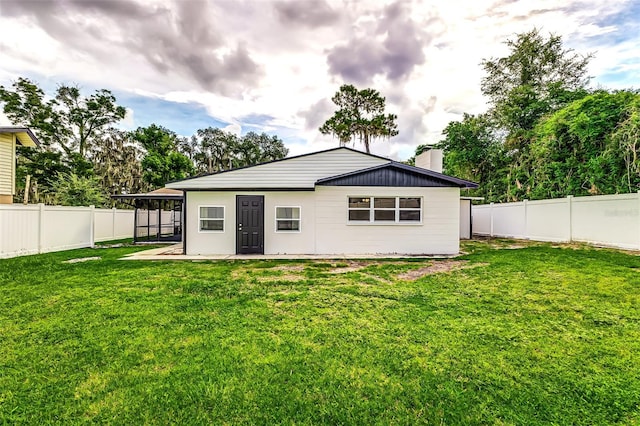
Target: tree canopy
x: 84, y: 156
x: 361, y: 116
x: 68, y: 121
x: 545, y: 133
x: 214, y: 150
x: 538, y: 75
x: 162, y: 162
x: 579, y: 150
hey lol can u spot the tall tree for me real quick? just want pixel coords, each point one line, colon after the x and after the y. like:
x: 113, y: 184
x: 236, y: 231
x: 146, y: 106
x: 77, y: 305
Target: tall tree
x: 257, y: 148
x: 473, y: 151
x: 44, y: 167
x: 84, y: 117
x: 68, y: 121
x: 360, y: 115
x: 117, y: 157
x: 162, y: 162
x: 215, y: 150
x: 537, y: 76
x: 586, y: 148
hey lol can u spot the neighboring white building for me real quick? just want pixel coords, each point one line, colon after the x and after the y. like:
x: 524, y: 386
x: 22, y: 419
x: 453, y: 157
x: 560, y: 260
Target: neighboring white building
x: 9, y: 138
x: 339, y: 201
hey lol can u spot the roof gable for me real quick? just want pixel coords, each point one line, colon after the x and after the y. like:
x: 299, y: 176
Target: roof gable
x: 292, y: 173
x: 397, y: 175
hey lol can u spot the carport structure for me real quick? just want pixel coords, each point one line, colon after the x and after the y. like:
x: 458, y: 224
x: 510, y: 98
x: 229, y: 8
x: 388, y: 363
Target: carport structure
x: 158, y: 215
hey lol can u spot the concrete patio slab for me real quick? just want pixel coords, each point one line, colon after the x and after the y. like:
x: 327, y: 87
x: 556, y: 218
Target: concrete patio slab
x: 174, y: 252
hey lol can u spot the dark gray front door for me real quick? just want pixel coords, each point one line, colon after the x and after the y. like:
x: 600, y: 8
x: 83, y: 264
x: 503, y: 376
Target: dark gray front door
x: 250, y: 224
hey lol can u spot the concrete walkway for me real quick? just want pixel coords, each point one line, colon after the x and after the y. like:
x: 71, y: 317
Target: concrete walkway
x: 174, y: 252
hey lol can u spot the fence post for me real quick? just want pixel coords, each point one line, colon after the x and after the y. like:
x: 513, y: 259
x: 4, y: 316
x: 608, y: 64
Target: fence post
x: 40, y: 227
x: 526, y: 217
x: 113, y: 225
x: 638, y: 220
x: 92, y: 228
x: 491, y: 221
x: 570, y: 208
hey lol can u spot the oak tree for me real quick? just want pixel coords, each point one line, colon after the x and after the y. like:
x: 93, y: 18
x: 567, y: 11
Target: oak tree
x: 361, y: 116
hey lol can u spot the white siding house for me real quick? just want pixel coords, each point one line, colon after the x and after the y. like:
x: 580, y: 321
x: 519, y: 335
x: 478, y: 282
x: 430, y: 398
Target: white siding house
x: 339, y: 201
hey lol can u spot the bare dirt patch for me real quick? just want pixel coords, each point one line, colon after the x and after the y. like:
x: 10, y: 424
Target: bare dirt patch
x: 438, y: 268
x: 283, y: 277
x: 296, y: 268
x: 82, y: 259
x: 352, y: 266
x: 286, y: 273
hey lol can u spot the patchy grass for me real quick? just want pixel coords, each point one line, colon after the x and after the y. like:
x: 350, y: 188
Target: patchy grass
x: 534, y: 335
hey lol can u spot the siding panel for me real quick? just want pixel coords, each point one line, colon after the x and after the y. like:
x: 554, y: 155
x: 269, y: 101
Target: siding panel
x: 324, y: 227
x: 274, y: 242
x: 297, y: 172
x: 6, y: 164
x: 387, y: 176
x: 438, y: 233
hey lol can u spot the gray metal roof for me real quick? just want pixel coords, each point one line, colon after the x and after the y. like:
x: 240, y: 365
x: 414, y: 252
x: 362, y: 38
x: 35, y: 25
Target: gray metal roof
x: 337, y: 166
x: 396, y: 174
x: 293, y: 173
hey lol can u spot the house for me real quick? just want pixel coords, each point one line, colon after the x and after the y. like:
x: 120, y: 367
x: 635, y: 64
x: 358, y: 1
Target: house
x: 338, y: 201
x: 9, y: 138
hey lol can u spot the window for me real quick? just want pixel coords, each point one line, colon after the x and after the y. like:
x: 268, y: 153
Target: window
x: 211, y: 218
x: 360, y: 209
x: 287, y: 219
x: 385, y: 209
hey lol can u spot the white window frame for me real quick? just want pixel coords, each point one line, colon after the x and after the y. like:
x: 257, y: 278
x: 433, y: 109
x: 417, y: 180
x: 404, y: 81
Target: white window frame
x: 287, y: 231
x: 397, y: 209
x: 211, y: 231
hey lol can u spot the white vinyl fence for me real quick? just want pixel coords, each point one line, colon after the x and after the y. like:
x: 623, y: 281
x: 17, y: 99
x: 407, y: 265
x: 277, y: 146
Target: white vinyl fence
x: 610, y: 220
x: 37, y: 228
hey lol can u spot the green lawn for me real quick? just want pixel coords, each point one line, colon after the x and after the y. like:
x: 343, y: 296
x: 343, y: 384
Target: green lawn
x: 535, y: 335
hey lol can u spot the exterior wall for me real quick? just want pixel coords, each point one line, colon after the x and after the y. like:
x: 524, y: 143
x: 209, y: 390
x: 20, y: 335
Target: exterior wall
x: 324, y: 228
x: 465, y: 219
x: 274, y: 242
x: 7, y: 167
x: 438, y: 233
x: 36, y: 228
x: 612, y: 220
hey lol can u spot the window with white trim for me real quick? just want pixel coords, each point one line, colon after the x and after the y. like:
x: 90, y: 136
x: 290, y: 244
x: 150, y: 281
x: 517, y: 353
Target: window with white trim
x: 385, y: 209
x: 287, y: 219
x: 211, y: 218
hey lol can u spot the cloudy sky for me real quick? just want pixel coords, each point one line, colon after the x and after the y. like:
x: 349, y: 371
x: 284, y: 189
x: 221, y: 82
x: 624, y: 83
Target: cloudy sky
x: 273, y: 66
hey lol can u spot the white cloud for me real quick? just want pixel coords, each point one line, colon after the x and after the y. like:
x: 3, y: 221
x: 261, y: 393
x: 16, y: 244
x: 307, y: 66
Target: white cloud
x: 289, y: 46
x: 129, y: 121
x: 234, y: 128
x: 4, y: 120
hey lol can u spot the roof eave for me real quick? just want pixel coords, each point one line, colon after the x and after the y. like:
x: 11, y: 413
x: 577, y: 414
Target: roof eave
x: 24, y: 135
x: 247, y: 189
